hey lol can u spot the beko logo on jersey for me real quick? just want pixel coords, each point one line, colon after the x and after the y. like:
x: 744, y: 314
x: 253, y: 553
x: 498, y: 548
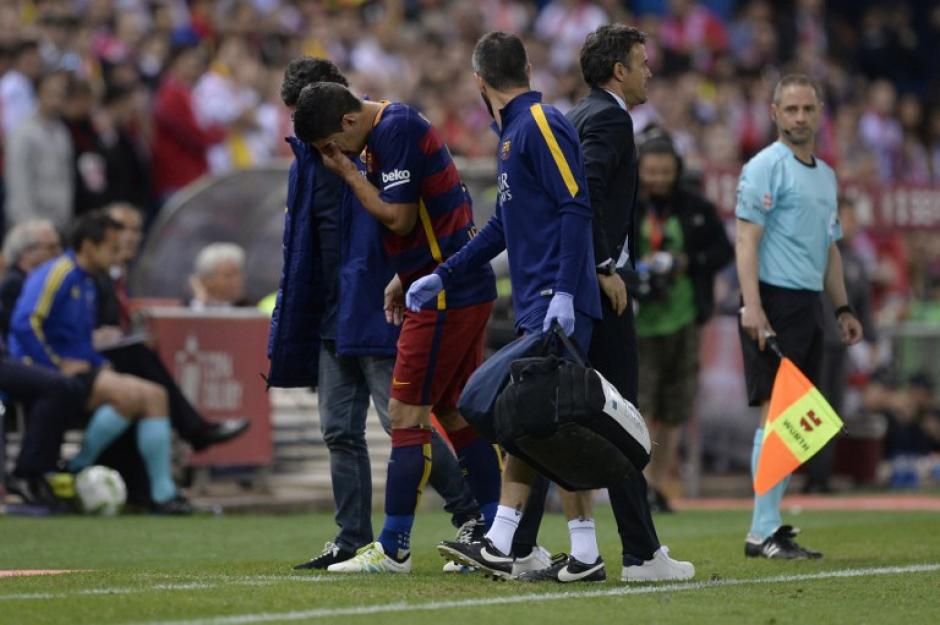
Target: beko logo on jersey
x: 395, y: 177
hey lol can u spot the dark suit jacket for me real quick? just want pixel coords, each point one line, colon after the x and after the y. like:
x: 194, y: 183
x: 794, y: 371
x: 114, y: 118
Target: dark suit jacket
x: 610, y: 160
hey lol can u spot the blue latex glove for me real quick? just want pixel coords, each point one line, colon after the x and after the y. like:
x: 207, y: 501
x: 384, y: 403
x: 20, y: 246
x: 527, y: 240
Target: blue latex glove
x: 561, y: 308
x: 422, y: 290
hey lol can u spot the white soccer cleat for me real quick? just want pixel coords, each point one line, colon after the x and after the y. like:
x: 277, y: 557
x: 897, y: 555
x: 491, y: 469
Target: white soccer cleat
x: 371, y: 559
x: 539, y: 558
x: 661, y: 568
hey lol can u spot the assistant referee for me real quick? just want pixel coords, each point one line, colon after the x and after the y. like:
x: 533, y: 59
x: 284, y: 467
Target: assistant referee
x: 787, y: 228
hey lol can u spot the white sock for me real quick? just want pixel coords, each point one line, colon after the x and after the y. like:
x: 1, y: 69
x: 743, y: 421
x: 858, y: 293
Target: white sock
x: 583, y: 540
x: 504, y: 528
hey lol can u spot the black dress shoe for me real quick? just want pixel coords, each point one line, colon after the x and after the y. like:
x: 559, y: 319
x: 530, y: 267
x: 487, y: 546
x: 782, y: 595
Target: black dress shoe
x: 225, y: 430
x: 659, y: 502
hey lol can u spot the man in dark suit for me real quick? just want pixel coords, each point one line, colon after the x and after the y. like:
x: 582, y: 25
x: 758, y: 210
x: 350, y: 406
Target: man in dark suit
x: 614, y: 64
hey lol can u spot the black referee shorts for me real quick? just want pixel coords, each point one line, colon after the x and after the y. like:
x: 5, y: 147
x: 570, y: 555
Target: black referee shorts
x: 796, y: 317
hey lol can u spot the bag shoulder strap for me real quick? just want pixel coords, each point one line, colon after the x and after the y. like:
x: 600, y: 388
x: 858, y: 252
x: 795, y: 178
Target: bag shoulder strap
x: 556, y: 332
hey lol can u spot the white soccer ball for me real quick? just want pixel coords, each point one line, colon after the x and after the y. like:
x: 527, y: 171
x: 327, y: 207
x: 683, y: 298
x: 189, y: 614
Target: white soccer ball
x: 100, y: 490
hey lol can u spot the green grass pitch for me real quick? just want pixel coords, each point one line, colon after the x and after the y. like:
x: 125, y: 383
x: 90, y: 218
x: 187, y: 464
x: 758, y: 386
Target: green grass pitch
x: 880, y: 568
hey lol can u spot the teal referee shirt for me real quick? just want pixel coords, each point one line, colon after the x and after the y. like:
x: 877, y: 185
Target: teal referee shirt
x: 797, y: 206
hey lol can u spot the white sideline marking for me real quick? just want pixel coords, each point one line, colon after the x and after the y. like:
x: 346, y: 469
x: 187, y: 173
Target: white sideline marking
x: 246, y: 619
x: 258, y: 580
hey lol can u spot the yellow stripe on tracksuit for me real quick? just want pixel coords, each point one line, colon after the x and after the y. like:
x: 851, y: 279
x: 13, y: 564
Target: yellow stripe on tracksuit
x: 425, y: 219
x: 542, y: 122
x: 44, y: 303
x: 426, y: 452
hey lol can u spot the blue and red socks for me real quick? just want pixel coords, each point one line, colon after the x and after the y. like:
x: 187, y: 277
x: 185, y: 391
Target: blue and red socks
x: 481, y: 467
x: 408, y: 469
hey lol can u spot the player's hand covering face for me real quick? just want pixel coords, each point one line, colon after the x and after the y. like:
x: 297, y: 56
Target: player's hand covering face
x: 335, y: 160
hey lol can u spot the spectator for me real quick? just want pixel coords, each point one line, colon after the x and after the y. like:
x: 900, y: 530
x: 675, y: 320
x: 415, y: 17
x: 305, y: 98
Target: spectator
x: 834, y: 370
x: 693, y: 34
x: 221, y: 97
x: 27, y: 245
x: 912, y: 427
x: 880, y: 129
x: 17, y: 95
x: 180, y: 144
x: 933, y: 138
x: 39, y: 167
x: 218, y: 279
x: 89, y: 164
x: 914, y: 160
x: 565, y: 23
x: 128, y: 166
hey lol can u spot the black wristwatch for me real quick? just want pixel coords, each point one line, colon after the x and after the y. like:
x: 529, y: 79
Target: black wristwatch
x: 841, y: 310
x: 607, y: 268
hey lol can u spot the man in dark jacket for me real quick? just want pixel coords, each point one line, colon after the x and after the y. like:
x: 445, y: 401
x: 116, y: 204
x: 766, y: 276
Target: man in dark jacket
x: 683, y: 244
x: 614, y: 64
x: 329, y: 330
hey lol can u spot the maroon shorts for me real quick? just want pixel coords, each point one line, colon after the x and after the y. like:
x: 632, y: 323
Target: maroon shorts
x: 437, y: 352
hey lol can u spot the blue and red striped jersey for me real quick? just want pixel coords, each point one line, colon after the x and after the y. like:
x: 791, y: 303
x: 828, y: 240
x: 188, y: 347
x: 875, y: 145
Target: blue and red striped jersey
x: 410, y: 164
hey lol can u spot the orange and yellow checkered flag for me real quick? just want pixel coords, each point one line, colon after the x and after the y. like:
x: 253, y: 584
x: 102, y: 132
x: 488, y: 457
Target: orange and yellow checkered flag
x: 799, y: 423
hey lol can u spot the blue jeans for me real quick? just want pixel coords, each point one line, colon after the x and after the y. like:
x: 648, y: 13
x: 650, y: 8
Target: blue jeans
x: 345, y: 385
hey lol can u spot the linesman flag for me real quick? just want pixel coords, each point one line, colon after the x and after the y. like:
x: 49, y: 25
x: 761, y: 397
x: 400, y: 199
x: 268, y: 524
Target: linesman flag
x: 799, y: 423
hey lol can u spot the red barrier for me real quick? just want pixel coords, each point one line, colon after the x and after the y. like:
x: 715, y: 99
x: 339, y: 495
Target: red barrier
x: 217, y: 358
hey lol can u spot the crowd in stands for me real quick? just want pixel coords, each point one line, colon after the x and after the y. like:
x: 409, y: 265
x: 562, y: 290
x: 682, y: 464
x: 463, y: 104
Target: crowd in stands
x: 153, y: 94
x: 120, y: 103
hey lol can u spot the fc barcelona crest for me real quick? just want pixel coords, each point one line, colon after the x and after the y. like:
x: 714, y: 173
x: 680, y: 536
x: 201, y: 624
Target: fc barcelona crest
x: 504, y: 150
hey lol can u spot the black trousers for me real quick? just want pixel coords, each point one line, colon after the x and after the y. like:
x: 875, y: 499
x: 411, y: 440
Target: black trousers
x: 613, y: 353
x: 53, y: 402
x: 143, y: 362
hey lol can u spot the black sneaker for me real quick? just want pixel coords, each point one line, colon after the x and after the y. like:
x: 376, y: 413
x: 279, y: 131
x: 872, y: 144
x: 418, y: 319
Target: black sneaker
x: 565, y: 569
x: 331, y: 554
x: 178, y: 506
x: 480, y: 554
x: 780, y: 545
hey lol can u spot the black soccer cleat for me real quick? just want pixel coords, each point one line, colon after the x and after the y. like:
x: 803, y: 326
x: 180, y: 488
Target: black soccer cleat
x: 780, y: 545
x: 331, y: 554
x: 481, y: 554
x: 565, y: 569
x: 472, y: 530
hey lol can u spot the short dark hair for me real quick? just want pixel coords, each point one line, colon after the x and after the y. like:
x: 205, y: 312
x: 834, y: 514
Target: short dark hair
x: 92, y: 227
x: 605, y: 47
x: 796, y: 79
x: 501, y: 61
x: 320, y: 110
x: 307, y: 70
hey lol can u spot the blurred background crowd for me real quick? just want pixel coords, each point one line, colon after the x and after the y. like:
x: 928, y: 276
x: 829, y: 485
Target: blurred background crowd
x: 120, y: 73
x: 129, y: 101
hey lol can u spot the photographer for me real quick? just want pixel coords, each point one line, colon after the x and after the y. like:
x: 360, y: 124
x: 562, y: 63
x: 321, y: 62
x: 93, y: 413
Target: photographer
x: 682, y: 244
